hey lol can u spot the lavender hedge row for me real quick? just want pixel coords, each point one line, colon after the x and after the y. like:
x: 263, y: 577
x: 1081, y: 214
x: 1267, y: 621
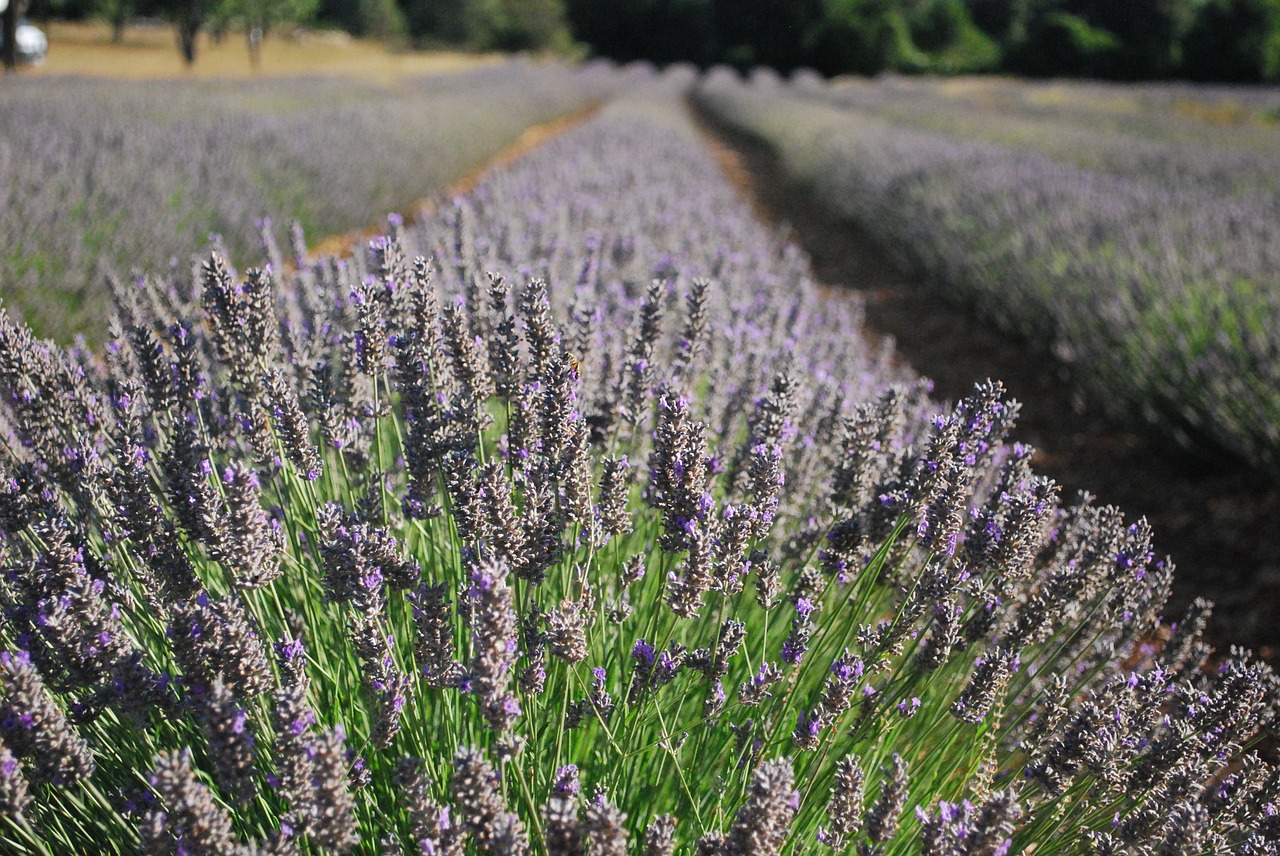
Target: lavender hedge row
x: 1150, y: 132
x: 575, y: 519
x: 98, y: 178
x: 1165, y: 299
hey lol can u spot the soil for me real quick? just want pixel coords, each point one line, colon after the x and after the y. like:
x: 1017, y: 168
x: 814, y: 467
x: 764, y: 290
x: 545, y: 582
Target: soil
x: 1217, y: 518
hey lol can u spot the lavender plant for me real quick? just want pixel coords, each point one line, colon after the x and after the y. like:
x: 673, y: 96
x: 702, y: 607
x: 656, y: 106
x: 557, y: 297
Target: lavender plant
x: 1165, y: 297
x: 99, y: 179
x: 1175, y: 134
x: 575, y: 519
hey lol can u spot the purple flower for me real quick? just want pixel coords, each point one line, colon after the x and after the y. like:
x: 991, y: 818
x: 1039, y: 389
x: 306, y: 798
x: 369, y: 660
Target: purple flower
x: 566, y: 780
x: 793, y: 652
x: 643, y: 652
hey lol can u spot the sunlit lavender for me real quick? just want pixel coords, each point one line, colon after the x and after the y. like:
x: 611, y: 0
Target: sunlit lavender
x: 574, y: 518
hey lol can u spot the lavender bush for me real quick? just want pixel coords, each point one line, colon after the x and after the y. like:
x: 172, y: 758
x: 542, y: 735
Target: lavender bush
x: 575, y: 519
x: 1165, y: 298
x: 1178, y: 135
x: 96, y: 178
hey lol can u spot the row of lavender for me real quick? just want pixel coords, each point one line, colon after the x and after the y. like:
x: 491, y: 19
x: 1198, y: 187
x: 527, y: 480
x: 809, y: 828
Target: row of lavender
x: 600, y: 532
x: 1208, y: 138
x: 1165, y: 298
x: 98, y: 178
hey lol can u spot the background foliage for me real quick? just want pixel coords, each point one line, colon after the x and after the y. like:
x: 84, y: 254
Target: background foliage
x: 1217, y: 40
x: 1226, y: 40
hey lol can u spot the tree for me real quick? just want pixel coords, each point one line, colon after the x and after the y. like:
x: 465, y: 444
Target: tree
x: 437, y: 21
x: 1131, y: 39
x: 868, y: 37
x: 13, y: 13
x: 993, y: 17
x: 765, y: 32
x: 1148, y: 33
x: 517, y: 25
x: 117, y: 13
x: 257, y: 17
x: 1235, y: 41
x: 260, y: 17
x: 188, y: 20
x: 953, y: 44
x: 378, y: 19
x: 662, y: 31
x: 1053, y: 42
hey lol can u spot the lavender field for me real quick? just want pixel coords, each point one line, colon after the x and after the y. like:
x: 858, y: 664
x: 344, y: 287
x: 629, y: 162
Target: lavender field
x: 99, y: 180
x: 572, y: 516
x: 1162, y: 294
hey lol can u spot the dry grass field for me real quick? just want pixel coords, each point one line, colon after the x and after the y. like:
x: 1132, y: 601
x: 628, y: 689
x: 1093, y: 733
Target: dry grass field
x: 149, y: 51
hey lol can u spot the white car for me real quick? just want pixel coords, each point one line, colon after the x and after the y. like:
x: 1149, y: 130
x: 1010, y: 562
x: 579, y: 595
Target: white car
x: 31, y: 41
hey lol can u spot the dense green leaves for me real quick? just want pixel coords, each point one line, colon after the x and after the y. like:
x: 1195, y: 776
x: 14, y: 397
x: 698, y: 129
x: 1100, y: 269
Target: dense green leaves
x: 1234, y: 40
x: 1206, y: 39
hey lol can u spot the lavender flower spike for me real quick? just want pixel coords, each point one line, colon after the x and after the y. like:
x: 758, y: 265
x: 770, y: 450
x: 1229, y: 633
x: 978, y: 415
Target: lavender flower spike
x: 35, y: 729
x: 762, y: 825
x: 186, y: 817
x: 483, y: 812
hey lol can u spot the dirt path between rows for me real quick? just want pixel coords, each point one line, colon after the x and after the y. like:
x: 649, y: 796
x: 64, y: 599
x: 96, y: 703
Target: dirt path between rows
x: 1219, y: 520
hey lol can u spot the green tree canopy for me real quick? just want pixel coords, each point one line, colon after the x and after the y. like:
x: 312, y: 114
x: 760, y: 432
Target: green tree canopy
x: 1235, y: 40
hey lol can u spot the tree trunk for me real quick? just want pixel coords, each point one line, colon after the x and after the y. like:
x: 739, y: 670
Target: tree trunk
x: 118, y: 20
x: 254, y: 37
x: 9, y: 20
x: 190, y: 20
